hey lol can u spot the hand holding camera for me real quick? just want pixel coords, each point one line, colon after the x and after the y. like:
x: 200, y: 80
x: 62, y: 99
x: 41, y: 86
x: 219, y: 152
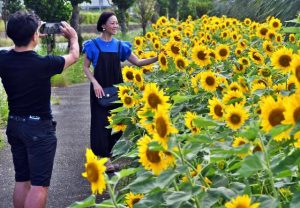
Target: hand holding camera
x: 58, y: 28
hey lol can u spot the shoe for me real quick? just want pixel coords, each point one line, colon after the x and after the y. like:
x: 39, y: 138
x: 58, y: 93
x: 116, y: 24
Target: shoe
x: 110, y: 167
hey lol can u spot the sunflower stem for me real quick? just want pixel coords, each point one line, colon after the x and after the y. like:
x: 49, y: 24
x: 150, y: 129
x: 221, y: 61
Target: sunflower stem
x: 111, y: 193
x: 267, y: 158
x: 175, y: 186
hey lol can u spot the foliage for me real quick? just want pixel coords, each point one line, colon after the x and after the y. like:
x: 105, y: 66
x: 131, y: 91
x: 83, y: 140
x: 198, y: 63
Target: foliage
x: 3, y: 106
x: 50, y: 10
x: 215, y: 122
x: 89, y: 17
x: 144, y: 11
x: 194, y: 8
x: 257, y: 10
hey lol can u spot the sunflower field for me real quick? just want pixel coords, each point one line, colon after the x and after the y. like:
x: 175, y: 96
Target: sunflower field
x: 215, y: 123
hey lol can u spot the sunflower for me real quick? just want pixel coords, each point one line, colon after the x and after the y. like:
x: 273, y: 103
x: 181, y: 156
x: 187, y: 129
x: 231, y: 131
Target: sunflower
x: 200, y: 56
x: 271, y: 35
x: 138, y: 42
x: 94, y: 172
x: 216, y: 108
x: 150, y: 159
x: 279, y: 87
x: 149, y: 35
x: 209, y: 81
x: 239, y: 141
x: 156, y: 45
x: 292, y: 38
x: 230, y: 96
x: 295, y: 68
x: 235, y: 116
x: 173, y: 48
x: 257, y: 147
x: 256, y: 57
x: 247, y: 21
x: 241, y: 202
x: 222, y: 52
x: 244, y: 61
x: 262, y: 31
x: 189, y: 118
x: 193, y: 173
x: 116, y: 127
x: 181, y: 63
x: 268, y: 47
x: 127, y: 100
x: 132, y: 199
x: 163, y: 62
x: 282, y: 58
x: 275, y: 23
x: 272, y: 114
x: 128, y: 73
x: 123, y: 90
x: 242, y: 44
x: 153, y: 97
x: 292, y: 113
x: 238, y: 51
x: 163, y: 126
x: 278, y: 38
x: 257, y: 86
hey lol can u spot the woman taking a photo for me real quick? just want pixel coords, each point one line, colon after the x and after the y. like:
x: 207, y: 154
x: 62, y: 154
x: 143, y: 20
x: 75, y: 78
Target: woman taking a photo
x: 105, y: 53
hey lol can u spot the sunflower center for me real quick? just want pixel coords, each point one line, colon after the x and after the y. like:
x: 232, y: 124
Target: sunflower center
x: 245, y: 61
x: 276, y: 116
x: 210, y: 81
x: 241, y: 206
x: 163, y: 60
x: 223, y: 52
x: 92, y: 172
x: 138, y: 42
x: 235, y: 118
x: 153, y: 156
x: 180, y: 64
x: 135, y: 200
x: 234, y: 88
x: 161, y: 127
x: 256, y: 57
x: 177, y: 38
x: 297, y: 114
x: 128, y: 100
x: 129, y: 75
x: 297, y: 73
x: 257, y: 148
x: 138, y: 78
x: 285, y: 60
x: 275, y: 24
x: 218, y: 110
x: 241, y: 143
x: 269, y: 48
x: 201, y: 55
x: 263, y: 31
x: 175, y: 49
x: 153, y: 100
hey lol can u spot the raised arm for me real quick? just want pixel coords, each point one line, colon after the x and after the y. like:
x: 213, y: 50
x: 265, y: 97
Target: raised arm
x: 71, y: 35
x: 141, y: 62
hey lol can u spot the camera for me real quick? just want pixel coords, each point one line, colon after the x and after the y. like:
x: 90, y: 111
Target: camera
x: 50, y: 28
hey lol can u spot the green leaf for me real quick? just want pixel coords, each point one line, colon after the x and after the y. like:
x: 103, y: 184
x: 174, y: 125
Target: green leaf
x: 293, y: 159
x: 173, y: 198
x: 296, y: 128
x: 155, y: 146
x: 166, y: 178
x: 152, y: 200
x: 267, y: 202
x: 182, y: 98
x: 295, y: 203
x: 88, y: 202
x: 279, y: 129
x: 250, y: 133
x: 203, y: 122
x: 143, y: 184
x: 122, y: 147
x: 291, y: 30
x: 251, y: 164
x: 126, y: 172
x: 105, y: 204
x: 235, y: 100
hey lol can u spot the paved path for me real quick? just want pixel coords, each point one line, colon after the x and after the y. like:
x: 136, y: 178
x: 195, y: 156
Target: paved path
x: 67, y: 185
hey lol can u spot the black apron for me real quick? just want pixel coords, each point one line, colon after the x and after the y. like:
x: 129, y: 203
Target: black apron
x: 107, y: 72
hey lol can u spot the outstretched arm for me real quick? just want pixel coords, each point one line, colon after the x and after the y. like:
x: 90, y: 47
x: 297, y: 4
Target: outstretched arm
x: 141, y: 62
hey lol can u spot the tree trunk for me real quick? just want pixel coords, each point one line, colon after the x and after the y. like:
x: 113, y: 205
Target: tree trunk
x: 173, y: 7
x: 123, y: 21
x: 75, y: 24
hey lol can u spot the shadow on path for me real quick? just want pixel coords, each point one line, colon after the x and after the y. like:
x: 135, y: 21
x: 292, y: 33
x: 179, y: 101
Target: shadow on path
x: 67, y: 184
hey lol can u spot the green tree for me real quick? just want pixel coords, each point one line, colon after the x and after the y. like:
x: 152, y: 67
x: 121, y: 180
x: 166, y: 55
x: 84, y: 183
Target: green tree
x: 50, y: 10
x: 145, y: 10
x: 162, y: 7
x: 9, y: 7
x: 122, y: 6
x: 75, y: 19
x: 173, y: 8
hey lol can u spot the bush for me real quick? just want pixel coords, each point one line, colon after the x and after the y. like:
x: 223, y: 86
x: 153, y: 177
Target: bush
x: 89, y: 17
x: 3, y: 107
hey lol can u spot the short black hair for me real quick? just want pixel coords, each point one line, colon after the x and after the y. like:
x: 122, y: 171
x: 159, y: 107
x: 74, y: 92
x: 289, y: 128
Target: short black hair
x: 21, y: 26
x: 103, y: 19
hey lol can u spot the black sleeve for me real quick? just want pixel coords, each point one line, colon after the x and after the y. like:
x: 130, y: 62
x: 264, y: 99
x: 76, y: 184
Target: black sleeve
x: 55, y: 64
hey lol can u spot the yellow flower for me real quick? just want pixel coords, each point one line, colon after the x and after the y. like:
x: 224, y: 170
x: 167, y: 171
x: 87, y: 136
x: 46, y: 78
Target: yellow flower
x: 292, y: 38
x: 222, y: 52
x: 268, y: 47
x: 189, y: 118
x: 132, y: 199
x: 163, y: 62
x: 153, y: 97
x: 156, y: 45
x: 238, y: 141
x: 241, y: 202
x: 235, y: 116
x: 128, y: 73
x: 94, y: 172
x: 123, y: 90
x: 247, y: 21
x: 193, y: 173
x: 150, y: 159
x: 275, y: 23
x: 257, y: 86
x: 173, y: 48
x: 200, y: 56
x: 244, y: 61
x: 256, y: 57
x: 138, y: 42
x: 231, y: 95
x: 262, y: 31
x: 282, y: 58
x: 234, y: 86
x: 295, y: 67
x: 116, y: 127
x: 292, y: 113
x: 127, y: 100
x: 209, y: 81
x: 216, y: 108
x: 272, y: 114
x: 181, y: 63
x: 238, y: 68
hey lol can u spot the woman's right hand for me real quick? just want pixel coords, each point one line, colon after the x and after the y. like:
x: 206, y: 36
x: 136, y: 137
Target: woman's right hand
x: 98, y: 89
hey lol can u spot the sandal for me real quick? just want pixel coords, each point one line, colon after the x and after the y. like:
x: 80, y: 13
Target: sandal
x: 110, y: 167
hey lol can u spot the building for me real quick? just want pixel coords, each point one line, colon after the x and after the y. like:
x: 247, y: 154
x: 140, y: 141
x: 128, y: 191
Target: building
x: 96, y: 4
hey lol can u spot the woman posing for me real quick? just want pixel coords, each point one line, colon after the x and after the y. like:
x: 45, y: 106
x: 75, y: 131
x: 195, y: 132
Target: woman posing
x: 105, y: 53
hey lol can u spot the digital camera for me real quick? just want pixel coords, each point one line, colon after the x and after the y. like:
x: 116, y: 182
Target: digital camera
x: 50, y: 28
